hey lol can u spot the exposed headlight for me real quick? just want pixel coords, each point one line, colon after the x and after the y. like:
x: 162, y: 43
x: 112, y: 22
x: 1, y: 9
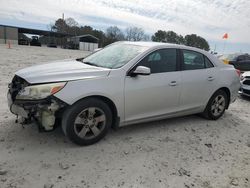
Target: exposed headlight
x: 39, y: 91
x: 242, y: 77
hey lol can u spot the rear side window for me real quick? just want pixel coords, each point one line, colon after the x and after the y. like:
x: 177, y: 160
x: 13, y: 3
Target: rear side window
x: 159, y: 61
x: 194, y: 60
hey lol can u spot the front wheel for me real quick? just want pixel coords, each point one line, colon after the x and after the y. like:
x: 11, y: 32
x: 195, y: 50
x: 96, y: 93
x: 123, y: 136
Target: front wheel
x: 216, y: 105
x: 87, y: 121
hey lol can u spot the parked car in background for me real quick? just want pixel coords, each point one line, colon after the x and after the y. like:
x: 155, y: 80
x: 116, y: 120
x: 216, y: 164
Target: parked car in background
x: 71, y: 45
x: 245, y: 84
x: 52, y: 45
x: 122, y: 84
x: 239, y: 61
x: 23, y: 42
x: 35, y: 41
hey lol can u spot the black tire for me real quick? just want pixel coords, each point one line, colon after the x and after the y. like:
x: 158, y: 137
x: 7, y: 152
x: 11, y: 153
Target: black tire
x: 209, y: 111
x: 74, y: 113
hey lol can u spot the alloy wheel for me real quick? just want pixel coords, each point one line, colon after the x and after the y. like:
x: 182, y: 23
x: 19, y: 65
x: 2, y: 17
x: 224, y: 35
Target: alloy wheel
x: 218, y: 105
x: 90, y: 122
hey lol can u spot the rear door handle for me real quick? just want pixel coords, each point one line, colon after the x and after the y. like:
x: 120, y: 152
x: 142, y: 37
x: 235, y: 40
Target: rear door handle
x: 173, y: 83
x: 210, y: 78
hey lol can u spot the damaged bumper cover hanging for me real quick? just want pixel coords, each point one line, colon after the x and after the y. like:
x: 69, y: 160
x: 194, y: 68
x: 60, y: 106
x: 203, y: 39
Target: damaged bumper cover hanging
x: 43, y: 111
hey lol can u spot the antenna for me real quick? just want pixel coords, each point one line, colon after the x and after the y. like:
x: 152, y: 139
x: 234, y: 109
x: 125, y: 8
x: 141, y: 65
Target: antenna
x: 63, y: 16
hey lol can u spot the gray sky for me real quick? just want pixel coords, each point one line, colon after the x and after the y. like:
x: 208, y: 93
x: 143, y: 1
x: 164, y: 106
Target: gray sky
x: 207, y: 18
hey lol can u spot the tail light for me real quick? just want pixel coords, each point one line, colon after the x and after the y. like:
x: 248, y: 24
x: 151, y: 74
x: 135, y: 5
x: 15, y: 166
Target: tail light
x: 238, y: 72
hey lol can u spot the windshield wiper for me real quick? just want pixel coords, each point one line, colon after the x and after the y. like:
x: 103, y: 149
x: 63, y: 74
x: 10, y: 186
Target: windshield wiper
x: 80, y: 59
x: 92, y: 64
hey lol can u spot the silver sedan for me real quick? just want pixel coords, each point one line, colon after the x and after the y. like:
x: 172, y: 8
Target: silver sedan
x: 124, y: 83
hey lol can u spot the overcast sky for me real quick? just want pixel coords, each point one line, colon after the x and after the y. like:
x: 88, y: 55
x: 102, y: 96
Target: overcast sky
x: 207, y: 18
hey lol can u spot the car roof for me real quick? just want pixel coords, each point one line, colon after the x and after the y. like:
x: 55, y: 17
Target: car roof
x: 151, y: 44
x: 155, y: 45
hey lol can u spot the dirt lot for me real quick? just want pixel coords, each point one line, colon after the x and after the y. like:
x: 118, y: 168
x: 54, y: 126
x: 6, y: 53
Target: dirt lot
x: 182, y: 152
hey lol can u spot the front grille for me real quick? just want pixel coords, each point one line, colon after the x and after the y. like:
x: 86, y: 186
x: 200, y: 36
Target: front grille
x: 246, y: 91
x: 16, y: 85
x: 246, y: 82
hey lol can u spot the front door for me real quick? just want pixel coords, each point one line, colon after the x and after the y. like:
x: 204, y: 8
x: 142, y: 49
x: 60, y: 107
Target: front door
x: 155, y: 94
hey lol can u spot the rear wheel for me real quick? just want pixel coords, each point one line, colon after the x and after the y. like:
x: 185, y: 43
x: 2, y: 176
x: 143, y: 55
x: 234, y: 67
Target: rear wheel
x: 87, y: 121
x: 216, y: 105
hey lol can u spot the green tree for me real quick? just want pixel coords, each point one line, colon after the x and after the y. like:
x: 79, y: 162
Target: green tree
x: 168, y: 36
x: 72, y: 28
x: 159, y: 36
x: 181, y: 40
x: 100, y: 35
x: 59, y: 26
x: 172, y: 37
x: 86, y: 30
x: 196, y: 41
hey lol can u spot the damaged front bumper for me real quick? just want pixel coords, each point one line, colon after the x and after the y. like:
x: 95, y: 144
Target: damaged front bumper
x: 244, y: 91
x: 44, y: 111
x: 15, y: 109
x: 245, y: 87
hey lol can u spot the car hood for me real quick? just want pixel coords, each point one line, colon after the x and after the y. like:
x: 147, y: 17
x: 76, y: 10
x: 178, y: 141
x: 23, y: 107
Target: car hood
x: 65, y: 70
x: 246, y: 74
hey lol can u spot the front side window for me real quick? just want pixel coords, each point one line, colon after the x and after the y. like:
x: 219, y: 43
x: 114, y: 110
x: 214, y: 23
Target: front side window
x: 163, y: 60
x: 114, y: 56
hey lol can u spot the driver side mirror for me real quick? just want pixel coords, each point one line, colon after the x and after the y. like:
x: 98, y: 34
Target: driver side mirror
x: 141, y: 70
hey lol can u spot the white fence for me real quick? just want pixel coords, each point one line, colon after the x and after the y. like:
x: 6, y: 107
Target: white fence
x: 87, y: 46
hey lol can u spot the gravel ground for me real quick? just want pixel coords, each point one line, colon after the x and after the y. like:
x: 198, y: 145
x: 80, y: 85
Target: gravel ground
x: 181, y: 152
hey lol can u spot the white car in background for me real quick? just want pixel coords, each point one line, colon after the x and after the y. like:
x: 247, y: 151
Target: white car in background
x: 245, y: 84
x: 124, y: 83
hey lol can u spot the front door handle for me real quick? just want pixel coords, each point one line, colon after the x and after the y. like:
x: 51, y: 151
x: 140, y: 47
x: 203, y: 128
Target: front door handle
x: 173, y: 83
x: 210, y: 78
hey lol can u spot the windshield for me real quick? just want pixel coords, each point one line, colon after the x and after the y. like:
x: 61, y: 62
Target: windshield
x: 114, y: 56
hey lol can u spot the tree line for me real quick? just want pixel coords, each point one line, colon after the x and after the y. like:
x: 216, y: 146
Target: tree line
x: 113, y: 34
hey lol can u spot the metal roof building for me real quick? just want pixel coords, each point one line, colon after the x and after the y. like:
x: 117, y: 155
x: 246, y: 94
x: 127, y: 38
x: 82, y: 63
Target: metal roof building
x: 85, y: 42
x: 10, y: 33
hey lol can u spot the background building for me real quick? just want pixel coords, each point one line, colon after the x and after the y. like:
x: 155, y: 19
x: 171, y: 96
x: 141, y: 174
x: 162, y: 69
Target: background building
x: 14, y: 35
x: 84, y: 42
x: 8, y: 34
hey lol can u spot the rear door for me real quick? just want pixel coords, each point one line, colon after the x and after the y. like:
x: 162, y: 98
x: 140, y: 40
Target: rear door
x: 199, y: 78
x: 155, y: 94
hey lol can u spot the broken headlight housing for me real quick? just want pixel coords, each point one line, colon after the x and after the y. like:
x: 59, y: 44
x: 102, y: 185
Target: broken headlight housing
x: 41, y: 91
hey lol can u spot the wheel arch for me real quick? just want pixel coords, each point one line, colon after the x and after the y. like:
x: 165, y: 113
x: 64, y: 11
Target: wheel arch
x: 227, y: 91
x: 110, y: 103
